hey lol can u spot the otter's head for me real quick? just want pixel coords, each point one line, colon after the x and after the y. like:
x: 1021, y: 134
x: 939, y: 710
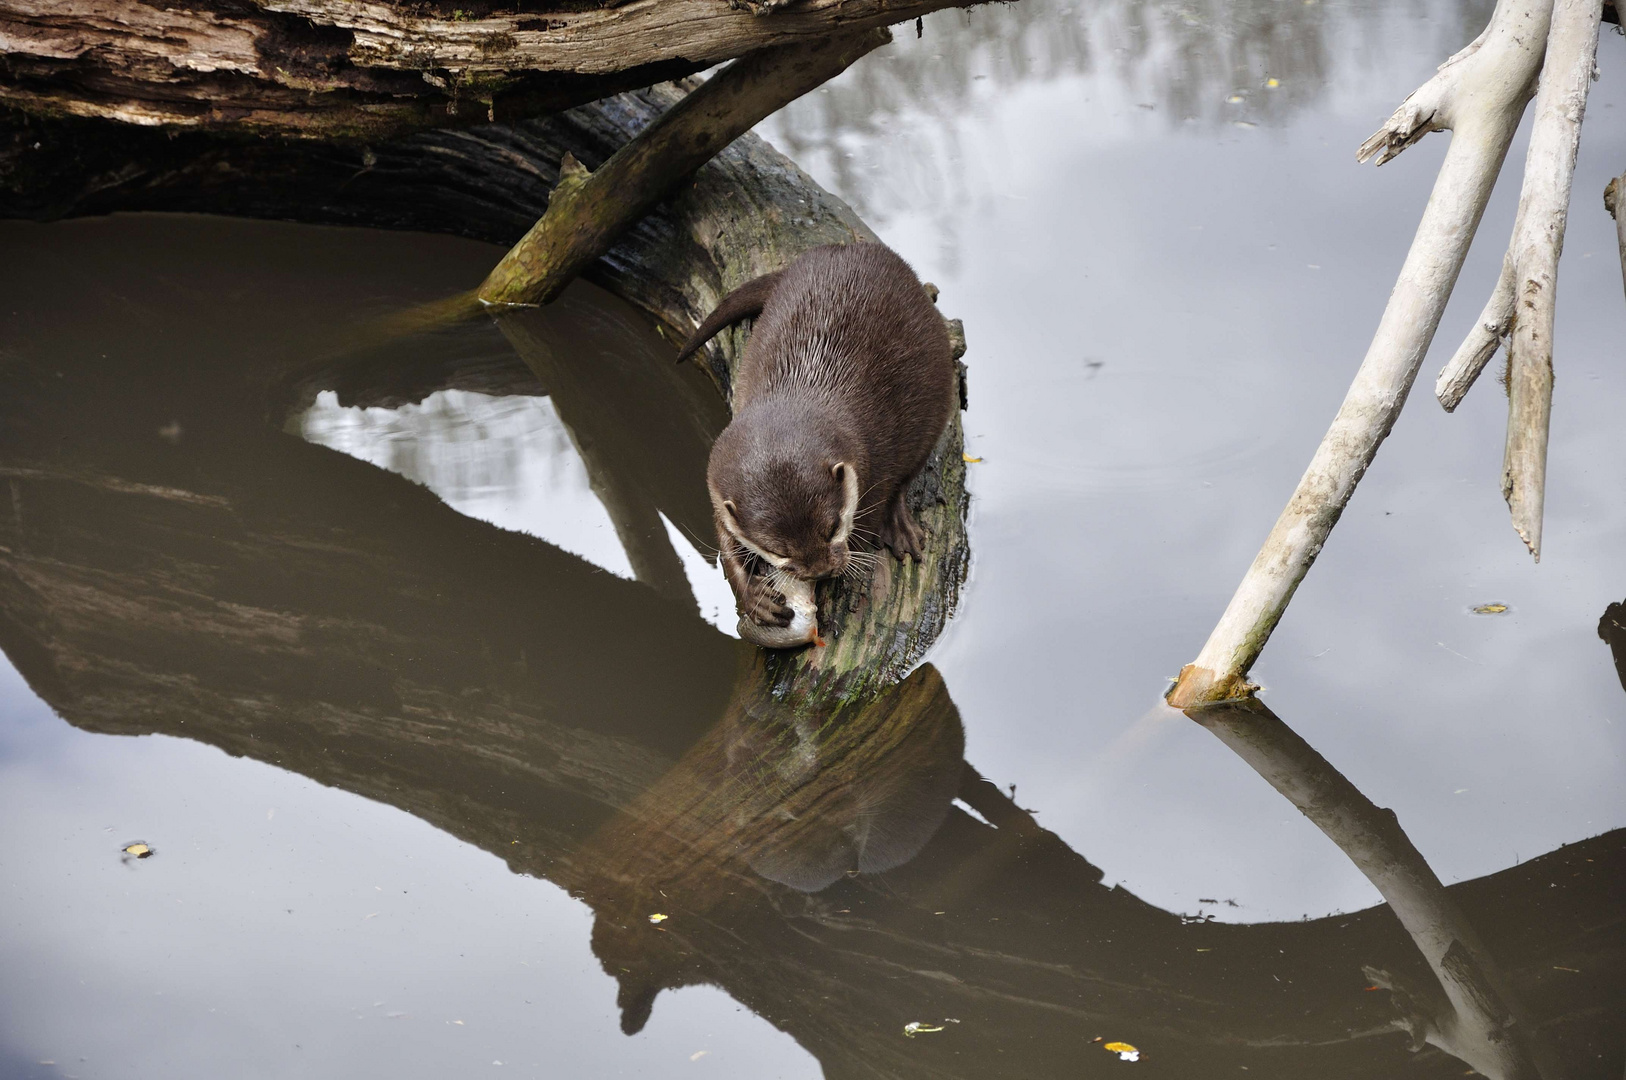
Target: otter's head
x: 786, y: 489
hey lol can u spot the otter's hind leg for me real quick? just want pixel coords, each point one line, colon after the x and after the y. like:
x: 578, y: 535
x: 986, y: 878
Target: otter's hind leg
x: 899, y: 531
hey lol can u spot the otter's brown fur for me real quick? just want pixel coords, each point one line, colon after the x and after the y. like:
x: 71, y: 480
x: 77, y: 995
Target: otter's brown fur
x: 845, y: 387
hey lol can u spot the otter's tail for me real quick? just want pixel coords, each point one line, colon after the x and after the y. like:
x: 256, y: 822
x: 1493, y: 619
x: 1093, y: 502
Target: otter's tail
x: 744, y: 302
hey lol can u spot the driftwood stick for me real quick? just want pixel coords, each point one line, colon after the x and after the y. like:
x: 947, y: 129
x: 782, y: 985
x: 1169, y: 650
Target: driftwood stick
x: 1538, y: 238
x: 1480, y: 95
x: 1614, y: 201
x: 1477, y: 1019
x: 1490, y: 330
x: 587, y: 213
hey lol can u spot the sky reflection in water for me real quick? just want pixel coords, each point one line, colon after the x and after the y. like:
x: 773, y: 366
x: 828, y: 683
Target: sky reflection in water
x: 1163, y: 313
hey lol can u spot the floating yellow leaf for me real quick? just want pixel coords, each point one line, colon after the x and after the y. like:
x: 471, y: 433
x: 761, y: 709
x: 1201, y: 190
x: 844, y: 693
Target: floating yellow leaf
x: 969, y: 459
x: 915, y: 1027
x: 1490, y: 609
x: 138, y: 849
x: 657, y: 918
x: 1273, y: 83
x: 1124, y: 1051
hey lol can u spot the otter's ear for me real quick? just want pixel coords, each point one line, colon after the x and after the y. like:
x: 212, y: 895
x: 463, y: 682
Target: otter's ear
x: 732, y: 511
x: 847, y: 477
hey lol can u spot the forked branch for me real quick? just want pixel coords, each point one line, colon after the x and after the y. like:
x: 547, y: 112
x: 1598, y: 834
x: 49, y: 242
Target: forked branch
x: 1479, y: 94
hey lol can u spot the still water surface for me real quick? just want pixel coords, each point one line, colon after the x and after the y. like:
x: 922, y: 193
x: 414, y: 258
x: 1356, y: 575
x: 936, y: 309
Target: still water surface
x: 398, y: 681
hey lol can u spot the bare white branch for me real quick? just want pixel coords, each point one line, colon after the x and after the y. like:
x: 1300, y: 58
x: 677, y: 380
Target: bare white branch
x: 1538, y: 239
x: 1480, y: 95
x: 1491, y: 329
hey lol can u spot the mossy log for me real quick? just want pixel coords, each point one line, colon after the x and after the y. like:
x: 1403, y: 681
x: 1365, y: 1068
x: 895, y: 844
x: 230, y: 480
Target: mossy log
x: 351, y: 69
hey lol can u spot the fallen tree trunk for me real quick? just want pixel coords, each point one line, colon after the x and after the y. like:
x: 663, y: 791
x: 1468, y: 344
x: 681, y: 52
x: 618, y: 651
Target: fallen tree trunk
x: 349, y: 69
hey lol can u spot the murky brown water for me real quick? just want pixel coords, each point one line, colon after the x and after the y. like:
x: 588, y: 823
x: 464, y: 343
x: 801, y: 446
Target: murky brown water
x: 406, y: 668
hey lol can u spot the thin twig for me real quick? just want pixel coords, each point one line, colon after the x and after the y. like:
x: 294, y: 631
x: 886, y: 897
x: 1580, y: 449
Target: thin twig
x: 1490, y: 330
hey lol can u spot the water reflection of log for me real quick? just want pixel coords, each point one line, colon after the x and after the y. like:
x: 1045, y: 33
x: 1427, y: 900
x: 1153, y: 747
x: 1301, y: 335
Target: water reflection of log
x: 290, y: 604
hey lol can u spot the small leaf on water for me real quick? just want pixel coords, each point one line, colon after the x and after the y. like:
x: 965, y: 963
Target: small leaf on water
x: 1490, y: 609
x: 1124, y: 1051
x: 657, y: 918
x: 138, y: 849
x: 969, y: 459
x: 915, y: 1027
x: 1273, y: 83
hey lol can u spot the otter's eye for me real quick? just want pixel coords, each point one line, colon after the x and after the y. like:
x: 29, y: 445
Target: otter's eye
x: 834, y: 531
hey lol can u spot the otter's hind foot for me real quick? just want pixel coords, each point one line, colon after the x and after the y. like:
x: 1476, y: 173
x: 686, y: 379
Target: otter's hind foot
x: 900, y: 532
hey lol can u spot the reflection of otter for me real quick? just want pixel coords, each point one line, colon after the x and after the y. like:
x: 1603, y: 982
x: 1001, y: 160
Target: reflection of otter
x: 845, y: 388
x: 793, y: 800
x: 867, y: 812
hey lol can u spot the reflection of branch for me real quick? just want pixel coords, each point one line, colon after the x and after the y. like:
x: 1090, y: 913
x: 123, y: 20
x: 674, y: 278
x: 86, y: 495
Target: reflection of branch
x: 1477, y: 1020
x: 595, y: 416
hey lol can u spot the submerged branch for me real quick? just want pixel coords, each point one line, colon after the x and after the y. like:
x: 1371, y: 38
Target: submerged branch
x: 1538, y: 238
x: 587, y: 213
x: 1480, y: 95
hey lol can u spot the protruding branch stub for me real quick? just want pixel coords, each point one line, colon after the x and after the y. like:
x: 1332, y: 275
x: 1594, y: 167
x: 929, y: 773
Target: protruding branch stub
x: 588, y: 212
x: 1614, y: 201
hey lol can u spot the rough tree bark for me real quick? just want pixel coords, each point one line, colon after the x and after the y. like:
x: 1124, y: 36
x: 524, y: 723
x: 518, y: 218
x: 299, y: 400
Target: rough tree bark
x: 343, y: 68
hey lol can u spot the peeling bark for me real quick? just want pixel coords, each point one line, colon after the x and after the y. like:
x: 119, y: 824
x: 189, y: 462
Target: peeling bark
x: 344, y: 68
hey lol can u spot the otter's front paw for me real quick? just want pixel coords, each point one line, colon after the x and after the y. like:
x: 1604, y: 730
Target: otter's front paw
x: 765, y: 605
x: 899, y: 532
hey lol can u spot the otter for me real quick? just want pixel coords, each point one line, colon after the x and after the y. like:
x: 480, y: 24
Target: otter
x: 845, y: 387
